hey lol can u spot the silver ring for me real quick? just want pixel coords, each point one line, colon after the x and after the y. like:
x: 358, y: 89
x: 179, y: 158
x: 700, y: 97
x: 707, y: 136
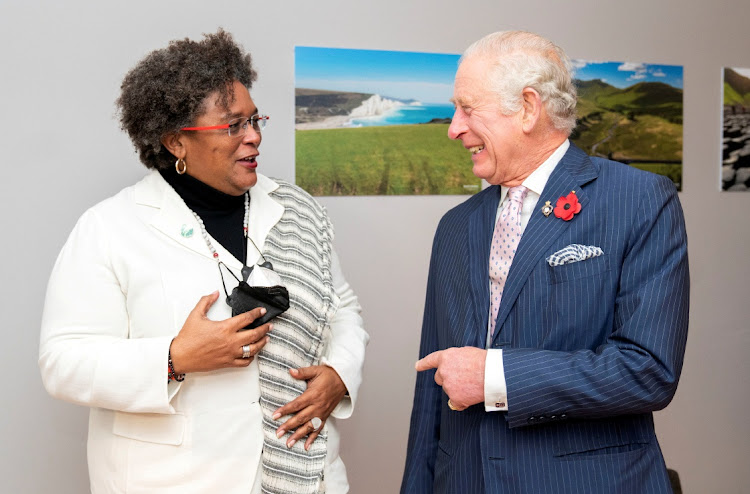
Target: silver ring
x: 316, y: 423
x: 246, y: 351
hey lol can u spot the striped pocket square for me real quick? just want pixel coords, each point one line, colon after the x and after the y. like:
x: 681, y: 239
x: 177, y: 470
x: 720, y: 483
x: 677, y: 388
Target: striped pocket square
x: 573, y: 253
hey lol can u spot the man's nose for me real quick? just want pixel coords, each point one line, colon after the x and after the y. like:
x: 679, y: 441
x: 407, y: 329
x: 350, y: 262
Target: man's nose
x: 458, y: 125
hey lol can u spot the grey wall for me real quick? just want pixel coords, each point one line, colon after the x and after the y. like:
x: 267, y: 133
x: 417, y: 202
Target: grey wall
x: 61, y: 64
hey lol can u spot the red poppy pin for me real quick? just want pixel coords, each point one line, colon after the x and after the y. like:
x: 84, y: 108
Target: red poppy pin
x: 567, y: 207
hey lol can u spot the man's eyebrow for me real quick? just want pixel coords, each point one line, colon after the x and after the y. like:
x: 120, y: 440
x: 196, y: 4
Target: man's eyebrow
x: 461, y: 101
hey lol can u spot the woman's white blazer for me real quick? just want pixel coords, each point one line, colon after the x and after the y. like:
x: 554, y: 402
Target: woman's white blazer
x: 131, y: 271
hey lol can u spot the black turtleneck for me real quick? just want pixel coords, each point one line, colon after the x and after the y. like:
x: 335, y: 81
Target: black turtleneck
x: 223, y: 215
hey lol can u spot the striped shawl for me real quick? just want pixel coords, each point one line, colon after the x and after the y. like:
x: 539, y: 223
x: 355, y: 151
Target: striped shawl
x: 300, y: 248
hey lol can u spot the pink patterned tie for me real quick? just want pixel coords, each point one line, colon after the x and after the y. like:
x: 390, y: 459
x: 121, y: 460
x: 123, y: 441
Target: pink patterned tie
x: 504, y: 242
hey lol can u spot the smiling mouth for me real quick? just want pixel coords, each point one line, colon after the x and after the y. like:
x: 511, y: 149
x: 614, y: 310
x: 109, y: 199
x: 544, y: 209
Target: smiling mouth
x: 250, y: 160
x: 476, y: 149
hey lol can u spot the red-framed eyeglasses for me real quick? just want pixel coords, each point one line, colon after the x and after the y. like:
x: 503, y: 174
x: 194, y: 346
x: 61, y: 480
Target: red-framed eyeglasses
x: 238, y: 126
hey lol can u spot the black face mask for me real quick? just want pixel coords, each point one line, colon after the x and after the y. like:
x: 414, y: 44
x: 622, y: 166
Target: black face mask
x: 244, y: 298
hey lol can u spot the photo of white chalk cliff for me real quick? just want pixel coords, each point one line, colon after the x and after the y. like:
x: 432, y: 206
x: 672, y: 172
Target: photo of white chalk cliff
x: 373, y: 122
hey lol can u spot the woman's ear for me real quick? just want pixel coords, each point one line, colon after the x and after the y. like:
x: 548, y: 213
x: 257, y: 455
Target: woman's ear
x: 173, y: 142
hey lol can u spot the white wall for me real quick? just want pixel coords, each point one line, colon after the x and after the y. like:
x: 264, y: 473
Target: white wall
x: 61, y: 65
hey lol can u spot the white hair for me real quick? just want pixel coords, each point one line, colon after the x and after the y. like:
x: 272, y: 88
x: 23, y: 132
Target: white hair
x: 521, y: 59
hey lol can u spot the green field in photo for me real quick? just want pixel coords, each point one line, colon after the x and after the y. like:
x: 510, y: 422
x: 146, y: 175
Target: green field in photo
x: 387, y: 160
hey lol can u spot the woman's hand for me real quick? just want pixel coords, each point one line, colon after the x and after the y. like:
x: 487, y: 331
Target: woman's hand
x: 205, y: 345
x: 325, y: 390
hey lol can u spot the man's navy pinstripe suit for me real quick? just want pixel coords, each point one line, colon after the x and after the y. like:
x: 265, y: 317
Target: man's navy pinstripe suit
x: 590, y: 348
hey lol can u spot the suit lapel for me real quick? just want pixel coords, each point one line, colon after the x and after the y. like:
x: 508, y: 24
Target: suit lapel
x: 265, y: 212
x: 574, y: 170
x: 173, y: 218
x: 481, y: 226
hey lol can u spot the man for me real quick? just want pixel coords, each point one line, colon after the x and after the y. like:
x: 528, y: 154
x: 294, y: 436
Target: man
x: 557, y: 302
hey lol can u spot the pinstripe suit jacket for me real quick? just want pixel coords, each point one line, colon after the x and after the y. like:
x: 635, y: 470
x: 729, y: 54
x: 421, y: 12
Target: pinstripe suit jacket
x: 590, y: 348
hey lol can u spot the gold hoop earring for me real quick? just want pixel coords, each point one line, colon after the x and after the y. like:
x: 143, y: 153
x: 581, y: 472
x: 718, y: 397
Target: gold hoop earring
x: 178, y: 163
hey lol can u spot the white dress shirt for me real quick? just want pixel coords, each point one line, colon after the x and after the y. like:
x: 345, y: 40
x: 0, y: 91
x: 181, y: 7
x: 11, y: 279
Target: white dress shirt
x: 495, y: 389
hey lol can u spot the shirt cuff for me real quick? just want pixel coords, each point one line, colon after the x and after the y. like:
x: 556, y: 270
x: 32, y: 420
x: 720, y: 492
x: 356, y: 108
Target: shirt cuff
x: 345, y: 407
x: 495, y: 390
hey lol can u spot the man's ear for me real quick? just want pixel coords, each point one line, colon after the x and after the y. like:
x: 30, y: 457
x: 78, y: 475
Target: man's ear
x: 532, y: 108
x: 173, y: 142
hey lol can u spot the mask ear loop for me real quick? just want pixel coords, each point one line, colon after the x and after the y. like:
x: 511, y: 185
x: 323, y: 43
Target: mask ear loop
x: 265, y: 263
x: 223, y: 283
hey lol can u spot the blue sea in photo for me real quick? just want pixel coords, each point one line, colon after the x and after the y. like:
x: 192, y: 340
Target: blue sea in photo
x: 408, y: 114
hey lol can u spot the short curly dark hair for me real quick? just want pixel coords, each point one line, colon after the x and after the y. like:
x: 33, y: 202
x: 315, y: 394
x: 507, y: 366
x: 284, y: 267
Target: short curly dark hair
x: 167, y: 89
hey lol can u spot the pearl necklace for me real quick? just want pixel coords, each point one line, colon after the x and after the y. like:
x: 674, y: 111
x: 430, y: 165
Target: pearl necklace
x: 204, y: 233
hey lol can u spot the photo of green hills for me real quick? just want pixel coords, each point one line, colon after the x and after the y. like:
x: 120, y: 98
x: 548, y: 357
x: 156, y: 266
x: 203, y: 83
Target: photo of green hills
x: 632, y: 113
x: 735, y: 160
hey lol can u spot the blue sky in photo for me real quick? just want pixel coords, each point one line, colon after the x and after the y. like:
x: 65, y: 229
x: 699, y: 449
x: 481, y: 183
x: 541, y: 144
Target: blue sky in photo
x: 625, y: 74
x: 426, y: 77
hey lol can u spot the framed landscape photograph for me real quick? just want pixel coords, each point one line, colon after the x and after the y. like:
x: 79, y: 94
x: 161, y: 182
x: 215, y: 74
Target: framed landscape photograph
x: 735, y: 149
x: 632, y: 113
x: 371, y: 122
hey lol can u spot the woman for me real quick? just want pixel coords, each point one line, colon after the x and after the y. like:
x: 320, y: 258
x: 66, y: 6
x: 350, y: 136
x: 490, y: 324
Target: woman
x: 182, y: 398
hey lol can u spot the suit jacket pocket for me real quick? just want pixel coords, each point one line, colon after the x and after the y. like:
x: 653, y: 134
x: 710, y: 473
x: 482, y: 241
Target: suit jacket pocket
x: 580, y: 269
x: 601, y: 437
x: 150, y: 427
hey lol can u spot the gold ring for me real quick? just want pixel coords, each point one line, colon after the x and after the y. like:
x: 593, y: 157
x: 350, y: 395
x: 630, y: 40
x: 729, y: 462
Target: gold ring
x: 452, y: 406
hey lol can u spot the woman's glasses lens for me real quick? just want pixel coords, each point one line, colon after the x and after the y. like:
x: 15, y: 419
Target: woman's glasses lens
x: 238, y: 126
x: 259, y: 122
